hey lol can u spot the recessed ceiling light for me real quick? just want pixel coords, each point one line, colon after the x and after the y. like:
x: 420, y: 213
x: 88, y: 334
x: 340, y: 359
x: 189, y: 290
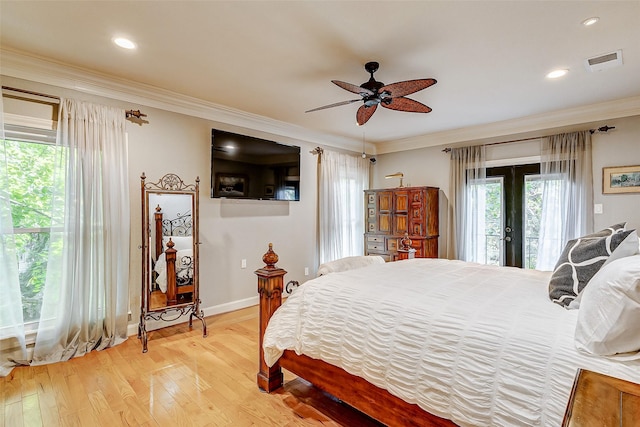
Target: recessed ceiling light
x: 124, y: 43
x: 590, y: 21
x: 557, y: 73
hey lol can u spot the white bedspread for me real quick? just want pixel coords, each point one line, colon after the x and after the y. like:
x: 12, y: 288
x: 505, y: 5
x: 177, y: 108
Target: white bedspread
x: 479, y: 345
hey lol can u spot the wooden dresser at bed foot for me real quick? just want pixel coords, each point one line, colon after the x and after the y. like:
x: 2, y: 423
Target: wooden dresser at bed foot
x: 392, y: 212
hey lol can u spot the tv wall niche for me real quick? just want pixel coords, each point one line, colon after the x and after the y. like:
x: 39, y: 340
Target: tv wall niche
x: 245, y: 167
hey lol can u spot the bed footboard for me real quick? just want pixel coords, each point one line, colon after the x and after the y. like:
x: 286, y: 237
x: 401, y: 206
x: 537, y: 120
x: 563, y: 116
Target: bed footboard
x: 352, y: 390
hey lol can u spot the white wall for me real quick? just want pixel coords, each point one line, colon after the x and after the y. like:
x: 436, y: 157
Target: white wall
x: 618, y: 147
x: 230, y: 230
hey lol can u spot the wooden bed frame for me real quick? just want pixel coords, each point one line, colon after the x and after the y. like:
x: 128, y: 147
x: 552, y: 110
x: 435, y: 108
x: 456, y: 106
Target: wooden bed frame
x: 352, y: 390
x: 166, y: 228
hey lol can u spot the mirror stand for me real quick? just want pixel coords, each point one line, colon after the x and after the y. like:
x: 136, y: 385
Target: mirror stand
x: 170, y: 253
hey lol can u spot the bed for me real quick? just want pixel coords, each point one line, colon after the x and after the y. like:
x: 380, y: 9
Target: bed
x: 433, y: 341
x: 173, y: 256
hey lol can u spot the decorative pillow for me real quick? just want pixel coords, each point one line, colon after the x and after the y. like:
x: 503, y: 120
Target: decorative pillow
x: 579, y: 261
x: 628, y: 247
x: 615, y: 228
x: 179, y: 242
x: 609, y: 314
x: 349, y: 263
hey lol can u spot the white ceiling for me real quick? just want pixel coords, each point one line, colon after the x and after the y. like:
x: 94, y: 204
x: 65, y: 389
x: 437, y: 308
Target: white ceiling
x: 277, y: 59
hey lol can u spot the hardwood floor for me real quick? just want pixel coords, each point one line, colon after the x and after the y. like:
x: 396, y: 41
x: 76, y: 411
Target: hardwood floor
x: 184, y: 380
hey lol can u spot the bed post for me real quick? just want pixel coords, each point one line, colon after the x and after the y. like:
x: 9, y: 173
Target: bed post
x: 158, y: 232
x: 172, y: 288
x: 270, y: 280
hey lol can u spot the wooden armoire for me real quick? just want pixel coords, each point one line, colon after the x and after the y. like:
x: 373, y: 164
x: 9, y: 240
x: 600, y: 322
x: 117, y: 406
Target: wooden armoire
x: 392, y: 212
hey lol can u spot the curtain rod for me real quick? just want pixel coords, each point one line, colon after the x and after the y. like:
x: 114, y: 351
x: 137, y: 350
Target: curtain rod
x: 128, y: 113
x: 29, y: 92
x: 603, y: 129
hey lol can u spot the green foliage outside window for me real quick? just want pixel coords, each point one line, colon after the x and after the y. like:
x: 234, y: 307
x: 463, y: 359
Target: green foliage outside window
x: 493, y: 193
x: 30, y: 169
x: 532, y: 216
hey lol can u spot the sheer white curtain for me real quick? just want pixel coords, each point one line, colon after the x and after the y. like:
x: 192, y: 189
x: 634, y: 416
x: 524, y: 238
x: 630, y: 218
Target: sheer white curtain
x: 467, y: 237
x: 567, y: 194
x: 12, y: 337
x: 342, y: 181
x: 86, y: 290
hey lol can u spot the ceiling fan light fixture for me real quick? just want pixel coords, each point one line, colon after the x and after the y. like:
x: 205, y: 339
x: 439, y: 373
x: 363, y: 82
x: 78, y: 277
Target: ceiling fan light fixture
x: 373, y: 93
x: 555, y: 74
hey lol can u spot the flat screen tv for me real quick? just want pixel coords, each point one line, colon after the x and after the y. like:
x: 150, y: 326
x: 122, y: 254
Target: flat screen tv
x: 244, y: 167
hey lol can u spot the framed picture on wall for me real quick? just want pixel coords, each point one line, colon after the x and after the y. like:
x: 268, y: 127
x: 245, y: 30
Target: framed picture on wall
x: 621, y: 179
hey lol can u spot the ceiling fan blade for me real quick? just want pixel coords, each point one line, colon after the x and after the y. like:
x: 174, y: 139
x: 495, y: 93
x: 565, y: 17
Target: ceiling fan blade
x: 353, y: 88
x: 405, y: 104
x: 364, y: 114
x: 407, y: 87
x: 337, y: 104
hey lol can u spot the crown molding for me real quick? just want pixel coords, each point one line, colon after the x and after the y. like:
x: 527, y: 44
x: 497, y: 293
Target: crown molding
x: 530, y: 125
x: 46, y: 71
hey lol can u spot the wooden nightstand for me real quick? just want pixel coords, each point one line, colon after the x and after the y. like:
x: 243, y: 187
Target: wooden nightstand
x: 599, y: 400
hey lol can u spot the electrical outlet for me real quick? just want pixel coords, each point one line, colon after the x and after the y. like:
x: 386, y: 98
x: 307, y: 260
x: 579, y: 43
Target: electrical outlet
x: 306, y: 271
x: 243, y: 264
x: 597, y: 208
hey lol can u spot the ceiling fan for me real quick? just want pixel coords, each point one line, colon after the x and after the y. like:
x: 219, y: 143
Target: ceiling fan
x: 375, y: 93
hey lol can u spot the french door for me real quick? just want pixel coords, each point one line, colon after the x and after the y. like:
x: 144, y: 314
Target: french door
x: 512, y: 215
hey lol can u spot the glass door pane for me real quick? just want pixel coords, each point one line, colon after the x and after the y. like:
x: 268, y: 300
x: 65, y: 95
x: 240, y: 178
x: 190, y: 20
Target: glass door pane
x: 494, y: 221
x: 516, y: 219
x: 532, y: 215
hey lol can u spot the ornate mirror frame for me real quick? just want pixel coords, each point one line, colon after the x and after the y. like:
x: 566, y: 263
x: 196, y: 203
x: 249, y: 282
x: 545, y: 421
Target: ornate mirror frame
x: 170, y: 280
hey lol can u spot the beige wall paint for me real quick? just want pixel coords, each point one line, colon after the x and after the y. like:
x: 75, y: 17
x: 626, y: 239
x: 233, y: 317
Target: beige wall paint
x: 618, y: 147
x: 430, y: 166
x: 230, y: 230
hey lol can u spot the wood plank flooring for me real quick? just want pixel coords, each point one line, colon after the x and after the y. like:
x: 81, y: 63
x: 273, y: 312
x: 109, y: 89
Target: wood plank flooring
x: 184, y: 380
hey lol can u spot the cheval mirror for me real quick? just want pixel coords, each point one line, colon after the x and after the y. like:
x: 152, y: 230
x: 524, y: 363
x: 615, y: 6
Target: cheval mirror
x: 170, y: 287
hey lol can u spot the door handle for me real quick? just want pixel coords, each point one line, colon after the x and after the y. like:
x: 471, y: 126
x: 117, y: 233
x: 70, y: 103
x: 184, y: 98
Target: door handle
x: 507, y: 229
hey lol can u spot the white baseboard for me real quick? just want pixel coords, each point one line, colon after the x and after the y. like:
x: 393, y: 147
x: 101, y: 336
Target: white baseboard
x: 151, y: 325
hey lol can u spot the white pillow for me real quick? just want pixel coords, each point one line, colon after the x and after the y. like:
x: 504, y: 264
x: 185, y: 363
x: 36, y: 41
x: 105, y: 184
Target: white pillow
x: 349, y: 263
x: 609, y: 315
x: 629, y: 246
x: 180, y: 243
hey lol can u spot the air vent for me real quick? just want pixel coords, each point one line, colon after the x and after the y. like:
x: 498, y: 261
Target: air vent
x: 602, y: 62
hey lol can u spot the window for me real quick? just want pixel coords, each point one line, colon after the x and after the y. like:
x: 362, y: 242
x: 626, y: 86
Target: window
x: 341, y: 182
x: 30, y: 168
